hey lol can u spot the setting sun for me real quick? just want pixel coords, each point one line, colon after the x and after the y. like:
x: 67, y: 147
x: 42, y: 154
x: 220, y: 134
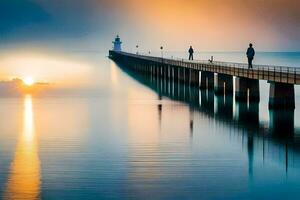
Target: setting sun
x: 28, y: 81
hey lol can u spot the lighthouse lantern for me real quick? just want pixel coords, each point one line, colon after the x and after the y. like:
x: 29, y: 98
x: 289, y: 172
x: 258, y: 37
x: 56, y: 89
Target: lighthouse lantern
x: 117, y: 44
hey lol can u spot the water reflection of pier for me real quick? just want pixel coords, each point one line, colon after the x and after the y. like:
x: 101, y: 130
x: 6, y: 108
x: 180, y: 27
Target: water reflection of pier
x: 279, y: 134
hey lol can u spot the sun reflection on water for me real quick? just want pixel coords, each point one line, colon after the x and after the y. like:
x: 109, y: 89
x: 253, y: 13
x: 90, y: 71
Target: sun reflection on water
x: 24, y: 177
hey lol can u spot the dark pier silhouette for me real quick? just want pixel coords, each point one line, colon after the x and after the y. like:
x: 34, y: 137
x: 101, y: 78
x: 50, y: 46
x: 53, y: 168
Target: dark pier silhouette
x: 219, y: 76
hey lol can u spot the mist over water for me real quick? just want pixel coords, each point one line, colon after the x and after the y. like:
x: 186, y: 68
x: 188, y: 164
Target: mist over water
x: 112, y: 134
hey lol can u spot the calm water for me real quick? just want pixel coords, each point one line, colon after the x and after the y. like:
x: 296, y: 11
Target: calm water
x: 115, y: 135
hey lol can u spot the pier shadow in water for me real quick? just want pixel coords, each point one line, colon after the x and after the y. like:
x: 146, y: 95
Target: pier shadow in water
x: 282, y: 123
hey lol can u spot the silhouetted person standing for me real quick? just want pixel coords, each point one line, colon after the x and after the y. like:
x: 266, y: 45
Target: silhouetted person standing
x: 250, y: 54
x: 191, y: 52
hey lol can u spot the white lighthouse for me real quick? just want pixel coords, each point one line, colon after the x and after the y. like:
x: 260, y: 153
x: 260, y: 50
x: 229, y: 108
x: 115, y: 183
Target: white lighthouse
x: 117, y: 44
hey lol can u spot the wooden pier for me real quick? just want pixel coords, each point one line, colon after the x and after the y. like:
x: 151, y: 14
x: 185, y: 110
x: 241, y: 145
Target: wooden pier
x: 218, y: 76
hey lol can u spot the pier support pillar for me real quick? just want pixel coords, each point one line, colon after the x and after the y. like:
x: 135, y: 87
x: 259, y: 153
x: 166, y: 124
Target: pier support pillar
x: 207, y: 80
x: 194, y: 78
x: 157, y: 71
x: 181, y: 75
x: 187, y: 76
x: 150, y: 69
x: 223, y: 84
x: 169, y: 75
x: 154, y: 71
x: 160, y: 73
x: 282, y: 96
x: 175, y: 74
x: 247, y: 89
x: 165, y: 72
x: 172, y: 73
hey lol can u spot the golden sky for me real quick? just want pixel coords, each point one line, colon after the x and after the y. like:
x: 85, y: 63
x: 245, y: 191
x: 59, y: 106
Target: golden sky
x: 218, y: 25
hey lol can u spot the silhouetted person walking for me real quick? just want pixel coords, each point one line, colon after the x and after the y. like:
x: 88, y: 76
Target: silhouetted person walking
x: 191, y: 52
x: 250, y: 54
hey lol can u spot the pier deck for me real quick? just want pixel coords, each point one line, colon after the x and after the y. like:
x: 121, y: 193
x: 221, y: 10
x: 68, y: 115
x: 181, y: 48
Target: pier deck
x: 280, y: 74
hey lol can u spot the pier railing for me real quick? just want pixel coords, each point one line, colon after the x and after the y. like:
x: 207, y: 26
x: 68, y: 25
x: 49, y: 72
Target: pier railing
x: 281, y: 74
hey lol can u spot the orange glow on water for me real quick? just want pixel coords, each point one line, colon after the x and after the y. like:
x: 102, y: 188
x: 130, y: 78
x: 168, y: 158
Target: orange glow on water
x: 24, y: 177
